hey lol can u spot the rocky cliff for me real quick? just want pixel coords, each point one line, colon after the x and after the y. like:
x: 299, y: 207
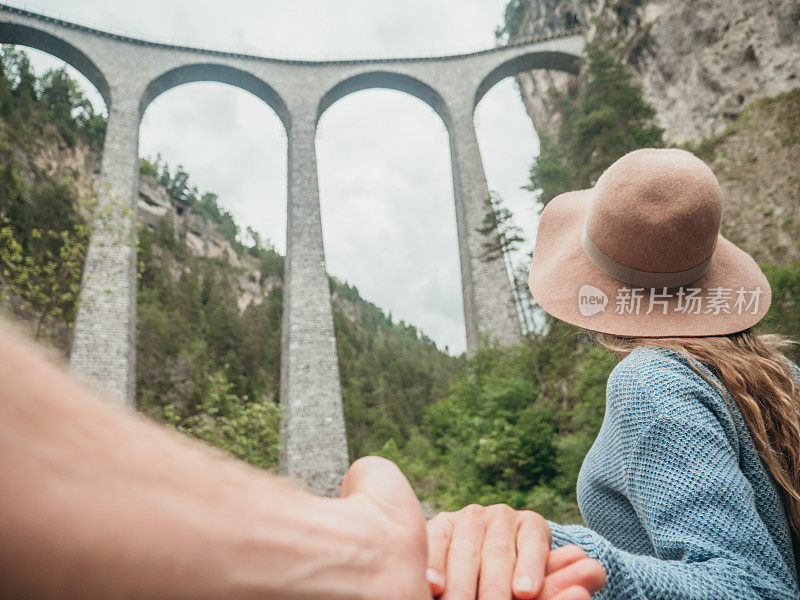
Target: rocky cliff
x: 700, y: 63
x: 724, y: 78
x: 203, y: 240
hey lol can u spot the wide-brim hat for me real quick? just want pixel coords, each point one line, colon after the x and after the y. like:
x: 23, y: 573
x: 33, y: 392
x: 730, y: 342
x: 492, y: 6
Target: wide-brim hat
x: 640, y: 254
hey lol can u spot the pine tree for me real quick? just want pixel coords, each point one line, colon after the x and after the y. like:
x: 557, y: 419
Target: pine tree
x: 503, y: 237
x: 607, y: 120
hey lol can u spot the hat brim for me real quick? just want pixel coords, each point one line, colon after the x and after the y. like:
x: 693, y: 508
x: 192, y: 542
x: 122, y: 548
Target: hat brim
x: 561, y: 270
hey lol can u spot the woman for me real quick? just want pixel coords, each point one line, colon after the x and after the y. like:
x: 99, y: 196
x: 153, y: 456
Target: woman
x: 692, y: 487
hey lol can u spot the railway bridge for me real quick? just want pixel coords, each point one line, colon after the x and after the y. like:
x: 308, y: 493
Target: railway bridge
x: 130, y: 73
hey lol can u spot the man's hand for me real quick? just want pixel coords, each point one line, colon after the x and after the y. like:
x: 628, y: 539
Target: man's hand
x: 493, y: 552
x: 379, y: 498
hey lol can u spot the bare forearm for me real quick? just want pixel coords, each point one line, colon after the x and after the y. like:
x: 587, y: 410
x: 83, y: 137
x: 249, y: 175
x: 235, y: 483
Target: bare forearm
x: 95, y: 503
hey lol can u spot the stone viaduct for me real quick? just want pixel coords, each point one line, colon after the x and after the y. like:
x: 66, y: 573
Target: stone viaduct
x: 129, y: 73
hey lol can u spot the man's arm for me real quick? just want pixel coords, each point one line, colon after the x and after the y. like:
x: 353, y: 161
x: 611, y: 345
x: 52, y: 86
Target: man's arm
x: 95, y: 503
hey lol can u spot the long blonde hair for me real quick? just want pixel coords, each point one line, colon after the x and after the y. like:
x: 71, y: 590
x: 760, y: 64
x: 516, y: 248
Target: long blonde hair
x: 758, y: 377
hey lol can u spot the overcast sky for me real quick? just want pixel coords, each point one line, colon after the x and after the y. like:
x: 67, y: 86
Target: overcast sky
x: 384, y: 166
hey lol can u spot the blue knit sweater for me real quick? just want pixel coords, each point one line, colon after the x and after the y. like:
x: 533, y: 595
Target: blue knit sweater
x: 677, y: 502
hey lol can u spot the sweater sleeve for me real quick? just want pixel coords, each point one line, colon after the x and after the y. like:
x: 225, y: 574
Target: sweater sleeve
x: 685, y: 485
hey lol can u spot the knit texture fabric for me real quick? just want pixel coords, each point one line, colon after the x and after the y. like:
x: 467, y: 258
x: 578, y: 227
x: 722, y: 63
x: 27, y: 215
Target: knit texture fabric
x: 677, y: 502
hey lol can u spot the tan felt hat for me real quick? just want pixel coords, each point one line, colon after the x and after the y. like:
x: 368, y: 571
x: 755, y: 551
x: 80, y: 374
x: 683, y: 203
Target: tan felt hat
x: 640, y: 253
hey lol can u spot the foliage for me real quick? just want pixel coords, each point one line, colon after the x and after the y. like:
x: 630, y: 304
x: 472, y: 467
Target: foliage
x: 29, y: 104
x: 497, y: 438
x: 246, y: 429
x: 43, y: 235
x: 41, y: 276
x: 195, y: 344
x: 501, y: 235
x: 69, y: 107
x: 607, y: 120
x: 390, y: 372
x: 190, y: 329
x: 514, y: 17
x: 784, y: 316
x: 147, y: 167
x: 205, y: 205
x: 51, y: 111
x: 192, y: 339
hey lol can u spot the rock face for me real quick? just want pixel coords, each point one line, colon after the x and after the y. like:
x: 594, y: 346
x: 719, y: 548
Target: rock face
x: 547, y: 16
x: 202, y: 239
x: 700, y: 63
x: 755, y: 160
x: 723, y: 76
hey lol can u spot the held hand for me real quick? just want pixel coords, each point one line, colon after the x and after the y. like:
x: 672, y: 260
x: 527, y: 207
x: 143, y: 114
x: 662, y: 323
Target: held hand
x: 378, y: 496
x: 493, y: 552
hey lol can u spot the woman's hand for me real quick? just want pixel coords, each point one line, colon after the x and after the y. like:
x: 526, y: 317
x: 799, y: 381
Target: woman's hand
x: 492, y: 552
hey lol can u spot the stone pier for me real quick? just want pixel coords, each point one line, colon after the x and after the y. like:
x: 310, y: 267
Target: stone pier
x: 312, y: 429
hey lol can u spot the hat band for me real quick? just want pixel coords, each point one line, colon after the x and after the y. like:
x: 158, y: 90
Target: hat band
x: 637, y: 277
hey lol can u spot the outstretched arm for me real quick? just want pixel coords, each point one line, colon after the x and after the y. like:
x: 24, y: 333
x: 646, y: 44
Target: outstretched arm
x: 680, y: 454
x: 95, y: 503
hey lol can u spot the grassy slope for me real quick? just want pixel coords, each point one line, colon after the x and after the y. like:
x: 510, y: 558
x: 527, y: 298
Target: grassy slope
x: 756, y: 161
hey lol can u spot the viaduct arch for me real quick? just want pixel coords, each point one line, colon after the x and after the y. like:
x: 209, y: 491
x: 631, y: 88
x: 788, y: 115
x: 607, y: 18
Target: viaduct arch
x: 387, y: 80
x: 219, y: 73
x: 16, y: 33
x: 130, y: 73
